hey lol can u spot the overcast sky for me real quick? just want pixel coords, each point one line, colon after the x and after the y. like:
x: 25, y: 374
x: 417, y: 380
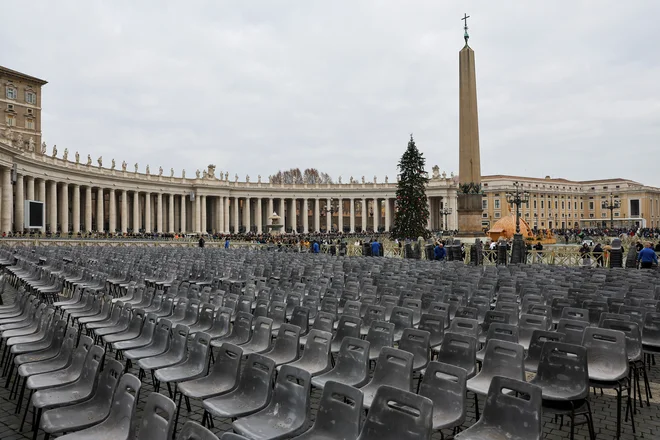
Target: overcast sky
x: 566, y: 88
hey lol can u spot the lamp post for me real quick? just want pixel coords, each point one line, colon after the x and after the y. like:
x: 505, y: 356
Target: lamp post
x: 612, y: 205
x: 444, y: 212
x: 517, y: 198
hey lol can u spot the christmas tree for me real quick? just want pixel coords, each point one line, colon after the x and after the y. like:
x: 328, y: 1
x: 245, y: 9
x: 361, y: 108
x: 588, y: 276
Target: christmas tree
x: 411, y: 212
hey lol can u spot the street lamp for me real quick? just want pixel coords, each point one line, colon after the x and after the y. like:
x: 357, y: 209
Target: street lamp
x: 517, y: 197
x: 612, y: 205
x: 330, y: 208
x: 444, y: 212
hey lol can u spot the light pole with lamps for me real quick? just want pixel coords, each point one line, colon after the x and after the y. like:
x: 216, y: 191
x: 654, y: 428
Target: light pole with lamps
x: 517, y: 198
x: 444, y: 212
x: 612, y: 205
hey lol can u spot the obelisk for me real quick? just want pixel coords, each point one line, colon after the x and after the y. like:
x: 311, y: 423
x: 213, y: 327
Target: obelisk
x: 469, y: 177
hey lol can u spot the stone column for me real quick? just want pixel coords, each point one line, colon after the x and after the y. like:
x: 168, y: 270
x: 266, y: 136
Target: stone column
x: 7, y: 200
x: 183, y: 213
x: 305, y: 214
x: 236, y: 219
x: 147, y: 212
x: 247, y: 217
x: 197, y: 217
x: 365, y: 215
x: 99, y: 210
x: 41, y: 196
x: 123, y: 213
x: 269, y: 212
x: 352, y: 216
x: 259, y: 216
x: 202, y: 216
x: 376, y: 214
x: 64, y: 208
x: 226, y: 213
x: 328, y: 216
x: 170, y: 207
x: 294, y: 215
x: 88, y: 209
x: 19, y: 217
x: 340, y: 215
x: 317, y: 215
x: 75, y: 211
x: 52, y: 209
x: 388, y: 219
x: 136, y: 212
x: 159, y: 213
x: 112, y: 222
x: 30, y: 188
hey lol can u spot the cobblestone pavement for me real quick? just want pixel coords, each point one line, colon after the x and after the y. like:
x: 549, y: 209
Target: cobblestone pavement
x: 647, y: 419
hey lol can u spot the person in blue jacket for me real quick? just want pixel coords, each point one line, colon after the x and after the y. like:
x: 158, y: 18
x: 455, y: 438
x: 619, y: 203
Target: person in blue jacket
x: 375, y: 249
x: 315, y: 247
x: 647, y: 257
x: 440, y: 252
x: 227, y: 243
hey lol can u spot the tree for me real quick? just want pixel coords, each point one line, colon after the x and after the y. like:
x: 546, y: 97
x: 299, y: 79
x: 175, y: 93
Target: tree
x: 294, y: 175
x: 411, y: 212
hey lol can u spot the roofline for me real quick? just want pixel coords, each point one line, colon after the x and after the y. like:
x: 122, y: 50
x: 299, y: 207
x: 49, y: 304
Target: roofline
x: 20, y: 75
x: 557, y: 179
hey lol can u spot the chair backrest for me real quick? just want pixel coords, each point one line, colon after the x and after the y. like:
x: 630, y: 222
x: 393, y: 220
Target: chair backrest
x: 445, y: 385
x: 199, y: 351
x: 503, y: 358
x: 257, y: 376
x: 300, y: 318
x: 262, y: 333
x: 92, y: 365
x: 373, y: 313
x: 339, y: 402
x: 179, y: 339
x: 157, y: 418
x: 108, y: 380
x: 324, y: 321
x: 465, y: 326
x: 434, y: 323
x: 538, y: 339
x: 394, y: 368
x: 288, y: 339
x: 609, y: 315
x: 292, y: 391
x: 353, y: 356
x: 633, y: 336
x: 348, y: 326
x: 459, y: 350
x: 381, y: 334
x: 563, y: 368
x: 277, y: 311
x: 467, y: 313
x: 528, y: 323
x: 503, y: 332
x: 418, y: 343
x: 573, y: 329
x: 194, y: 431
x: 396, y: 413
x: 519, y: 414
x: 124, y: 403
x: 242, y: 326
x: 227, y: 361
x: 606, y: 352
x: 80, y: 353
x: 402, y: 318
x: 651, y: 330
x: 575, y: 314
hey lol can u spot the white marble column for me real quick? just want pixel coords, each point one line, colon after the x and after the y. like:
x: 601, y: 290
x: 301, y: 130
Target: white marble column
x: 305, y: 214
x: 182, y: 198
x: 226, y: 213
x: 246, y: 214
x: 234, y: 201
x: 376, y: 215
x: 136, y: 212
x: 328, y: 216
x: 75, y: 210
x: 64, y: 208
x: 340, y: 215
x: 197, y: 218
x: 294, y: 215
x: 19, y: 201
x: 317, y: 215
x: 269, y: 212
x: 123, y: 212
x: 202, y: 214
x: 7, y: 200
x: 352, y: 215
x: 29, y: 184
x: 52, y: 209
x: 365, y: 215
x: 159, y: 213
x: 88, y: 210
x: 387, y: 215
x: 259, y: 216
x: 41, y: 196
x: 147, y: 212
x: 99, y: 210
x: 170, y: 207
x: 112, y: 212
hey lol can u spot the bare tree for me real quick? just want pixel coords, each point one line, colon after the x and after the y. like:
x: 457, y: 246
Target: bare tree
x: 294, y: 175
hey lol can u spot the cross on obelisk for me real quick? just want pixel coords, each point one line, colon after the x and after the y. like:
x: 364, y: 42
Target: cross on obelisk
x: 465, y: 27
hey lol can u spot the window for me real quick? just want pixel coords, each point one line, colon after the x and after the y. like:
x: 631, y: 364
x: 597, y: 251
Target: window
x: 11, y: 92
x: 591, y: 206
x: 484, y: 215
x: 575, y: 205
x: 497, y: 215
x: 29, y: 124
x: 541, y: 204
x: 555, y: 204
x: 497, y: 203
x: 562, y: 205
x: 534, y: 204
x: 616, y: 214
x: 30, y: 97
x: 603, y: 215
x: 484, y: 203
x: 581, y: 205
x: 591, y: 215
x: 30, y: 111
x: 634, y: 207
x: 10, y: 121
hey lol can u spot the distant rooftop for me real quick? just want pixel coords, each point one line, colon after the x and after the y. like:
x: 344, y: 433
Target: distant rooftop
x: 560, y: 179
x: 20, y: 75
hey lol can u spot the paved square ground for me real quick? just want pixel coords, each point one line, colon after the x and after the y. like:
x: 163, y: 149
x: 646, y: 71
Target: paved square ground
x: 647, y: 419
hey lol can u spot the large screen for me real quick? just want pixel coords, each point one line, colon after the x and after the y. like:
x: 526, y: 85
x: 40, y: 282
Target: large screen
x: 35, y: 215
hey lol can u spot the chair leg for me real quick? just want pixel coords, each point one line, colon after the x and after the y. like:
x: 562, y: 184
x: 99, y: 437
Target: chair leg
x: 176, y: 417
x: 27, y: 409
x: 590, y: 422
x: 35, y: 427
x: 476, y: 406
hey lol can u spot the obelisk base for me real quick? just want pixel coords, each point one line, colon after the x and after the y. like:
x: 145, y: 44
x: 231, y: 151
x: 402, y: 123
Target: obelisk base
x: 469, y: 216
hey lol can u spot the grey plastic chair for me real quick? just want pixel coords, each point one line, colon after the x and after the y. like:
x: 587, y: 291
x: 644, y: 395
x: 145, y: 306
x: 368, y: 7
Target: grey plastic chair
x: 503, y: 332
x: 222, y: 377
x: 573, y: 329
x: 132, y: 331
x: 397, y: 414
x: 508, y: 416
x: 88, y: 413
x: 300, y: 318
x: 526, y: 326
x: 158, y: 345
x: 286, y: 346
x: 459, y: 350
x: 117, y: 425
x: 316, y: 356
x: 277, y: 313
x: 261, y: 336
x: 157, y: 418
x: 564, y: 381
x: 445, y: 385
x: 175, y: 354
x: 434, y: 323
x: 191, y: 315
x: 372, y: 314
x: 120, y: 326
x: 193, y: 367
x: 117, y: 310
x: 287, y: 413
x: 394, y: 368
x: 349, y: 326
x: 381, y: 334
x: 351, y: 365
x: 539, y: 338
x: 465, y: 326
x: 195, y: 431
x: 575, y: 314
x: 416, y: 342
x: 402, y: 318
x: 221, y: 323
x: 502, y: 358
x: 251, y: 395
x: 240, y: 332
x: 143, y: 339
x: 338, y: 402
x: 323, y: 322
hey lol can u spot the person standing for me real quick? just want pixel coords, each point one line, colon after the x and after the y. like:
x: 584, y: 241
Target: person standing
x: 315, y: 247
x: 647, y: 257
x: 439, y: 252
x: 375, y: 248
x: 201, y: 242
x: 598, y: 254
x: 227, y: 243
